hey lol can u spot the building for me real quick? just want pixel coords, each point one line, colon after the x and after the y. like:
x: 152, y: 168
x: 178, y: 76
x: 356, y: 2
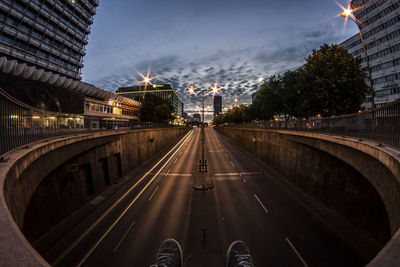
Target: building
x: 42, y: 45
x: 165, y: 91
x: 197, y: 117
x: 48, y: 34
x: 217, y: 105
x: 380, y: 26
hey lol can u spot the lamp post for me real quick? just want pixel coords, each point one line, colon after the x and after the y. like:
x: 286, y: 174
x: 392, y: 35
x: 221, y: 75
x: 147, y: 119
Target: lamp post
x: 146, y: 80
x: 191, y: 90
x: 348, y: 14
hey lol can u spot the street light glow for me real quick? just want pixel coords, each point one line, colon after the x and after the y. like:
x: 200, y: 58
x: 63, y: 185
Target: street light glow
x: 215, y: 89
x: 191, y: 89
x: 146, y: 79
x: 348, y: 12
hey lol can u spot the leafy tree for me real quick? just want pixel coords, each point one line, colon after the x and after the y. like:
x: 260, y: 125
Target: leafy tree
x: 155, y: 109
x: 334, y: 82
x: 268, y: 101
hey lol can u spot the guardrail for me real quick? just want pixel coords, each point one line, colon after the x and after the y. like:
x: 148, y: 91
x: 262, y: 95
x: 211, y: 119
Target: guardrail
x: 21, y: 124
x: 381, y: 124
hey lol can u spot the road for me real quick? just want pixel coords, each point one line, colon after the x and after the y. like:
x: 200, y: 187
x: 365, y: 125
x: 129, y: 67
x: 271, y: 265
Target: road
x: 246, y: 203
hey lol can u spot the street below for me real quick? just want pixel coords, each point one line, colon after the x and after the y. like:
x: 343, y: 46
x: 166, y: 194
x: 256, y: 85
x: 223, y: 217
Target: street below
x: 246, y: 202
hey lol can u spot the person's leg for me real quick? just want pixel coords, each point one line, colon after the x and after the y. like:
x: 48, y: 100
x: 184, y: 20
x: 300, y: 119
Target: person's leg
x: 238, y: 255
x: 169, y: 254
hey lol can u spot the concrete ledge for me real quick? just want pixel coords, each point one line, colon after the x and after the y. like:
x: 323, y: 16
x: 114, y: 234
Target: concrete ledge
x: 379, y: 165
x: 16, y: 191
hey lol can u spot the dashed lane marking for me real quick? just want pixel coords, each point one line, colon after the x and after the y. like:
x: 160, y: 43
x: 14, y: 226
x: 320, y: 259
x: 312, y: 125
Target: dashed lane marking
x: 297, y: 253
x: 124, y: 236
x: 154, y: 192
x: 261, y: 204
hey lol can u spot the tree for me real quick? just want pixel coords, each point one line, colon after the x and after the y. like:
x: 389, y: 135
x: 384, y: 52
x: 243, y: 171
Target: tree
x: 292, y: 94
x: 155, y: 109
x: 334, y: 82
x: 268, y: 101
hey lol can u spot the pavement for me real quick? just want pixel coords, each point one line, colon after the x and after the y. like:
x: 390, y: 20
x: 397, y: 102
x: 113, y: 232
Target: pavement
x: 235, y: 200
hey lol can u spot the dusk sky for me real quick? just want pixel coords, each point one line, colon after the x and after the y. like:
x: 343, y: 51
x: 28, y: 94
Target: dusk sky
x: 199, y: 41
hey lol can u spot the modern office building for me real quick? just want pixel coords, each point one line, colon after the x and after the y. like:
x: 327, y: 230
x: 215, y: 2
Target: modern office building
x: 42, y: 45
x: 197, y: 117
x: 217, y: 105
x: 380, y: 26
x: 50, y: 35
x: 165, y: 91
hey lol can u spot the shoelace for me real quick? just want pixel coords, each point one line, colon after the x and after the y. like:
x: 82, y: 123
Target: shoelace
x: 165, y: 259
x: 244, y: 260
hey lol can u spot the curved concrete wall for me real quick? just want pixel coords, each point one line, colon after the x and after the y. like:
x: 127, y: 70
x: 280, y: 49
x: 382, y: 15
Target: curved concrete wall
x: 346, y: 170
x: 26, y: 169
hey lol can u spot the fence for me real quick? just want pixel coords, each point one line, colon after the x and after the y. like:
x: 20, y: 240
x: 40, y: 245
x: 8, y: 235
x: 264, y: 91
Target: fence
x: 21, y: 124
x: 381, y: 124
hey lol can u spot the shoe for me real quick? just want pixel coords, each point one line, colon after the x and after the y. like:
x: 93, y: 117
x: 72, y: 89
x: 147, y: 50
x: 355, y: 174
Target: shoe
x: 169, y: 254
x: 238, y: 255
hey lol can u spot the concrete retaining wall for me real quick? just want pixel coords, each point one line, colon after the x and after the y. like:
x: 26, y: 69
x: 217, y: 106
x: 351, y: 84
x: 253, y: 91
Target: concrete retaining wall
x: 357, y: 180
x: 65, y: 174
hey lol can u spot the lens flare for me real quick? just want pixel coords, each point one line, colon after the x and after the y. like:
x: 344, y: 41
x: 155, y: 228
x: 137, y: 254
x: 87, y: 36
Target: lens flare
x: 146, y: 78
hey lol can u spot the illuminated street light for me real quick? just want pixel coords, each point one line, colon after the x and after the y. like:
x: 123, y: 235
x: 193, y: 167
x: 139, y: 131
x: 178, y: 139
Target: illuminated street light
x: 215, y: 89
x: 191, y: 89
x: 348, y: 13
x: 146, y: 79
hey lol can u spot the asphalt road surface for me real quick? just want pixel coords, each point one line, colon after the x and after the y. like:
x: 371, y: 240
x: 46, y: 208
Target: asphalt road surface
x: 245, y: 203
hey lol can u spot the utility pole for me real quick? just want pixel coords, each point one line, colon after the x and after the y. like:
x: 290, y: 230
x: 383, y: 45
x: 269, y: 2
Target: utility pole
x: 203, y: 163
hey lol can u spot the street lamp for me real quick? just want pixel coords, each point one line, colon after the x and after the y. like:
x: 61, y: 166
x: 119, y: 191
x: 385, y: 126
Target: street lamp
x: 348, y: 13
x: 214, y: 90
x: 146, y: 80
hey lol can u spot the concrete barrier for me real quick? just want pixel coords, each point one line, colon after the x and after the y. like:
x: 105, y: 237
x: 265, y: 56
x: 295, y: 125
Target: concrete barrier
x: 359, y: 180
x: 82, y: 166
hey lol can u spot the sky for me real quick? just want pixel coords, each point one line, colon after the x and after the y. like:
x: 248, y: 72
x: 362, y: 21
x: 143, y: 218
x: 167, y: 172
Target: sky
x: 199, y: 42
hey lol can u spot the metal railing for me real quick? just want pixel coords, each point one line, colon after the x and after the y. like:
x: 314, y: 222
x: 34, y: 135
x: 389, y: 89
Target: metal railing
x: 381, y: 124
x: 21, y: 124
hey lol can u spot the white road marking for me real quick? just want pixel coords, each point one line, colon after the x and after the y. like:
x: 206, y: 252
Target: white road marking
x: 179, y: 174
x: 236, y: 173
x: 152, y: 195
x: 233, y: 164
x: 175, y: 161
x: 226, y: 155
x: 124, y: 236
x: 244, y: 180
x: 250, y: 173
x: 261, y: 204
x: 227, y: 174
x: 227, y: 178
x: 297, y: 253
x: 178, y: 146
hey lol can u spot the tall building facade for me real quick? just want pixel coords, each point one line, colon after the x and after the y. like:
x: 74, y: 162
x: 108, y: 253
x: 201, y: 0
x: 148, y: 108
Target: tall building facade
x: 217, y: 105
x: 42, y: 45
x: 165, y: 91
x: 50, y: 35
x: 379, y: 21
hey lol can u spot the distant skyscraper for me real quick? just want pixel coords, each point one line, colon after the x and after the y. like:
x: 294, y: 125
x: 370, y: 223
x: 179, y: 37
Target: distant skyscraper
x: 48, y: 35
x: 217, y: 105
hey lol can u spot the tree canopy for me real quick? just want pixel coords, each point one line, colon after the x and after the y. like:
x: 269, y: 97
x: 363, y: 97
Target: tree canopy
x: 331, y: 82
x: 155, y: 109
